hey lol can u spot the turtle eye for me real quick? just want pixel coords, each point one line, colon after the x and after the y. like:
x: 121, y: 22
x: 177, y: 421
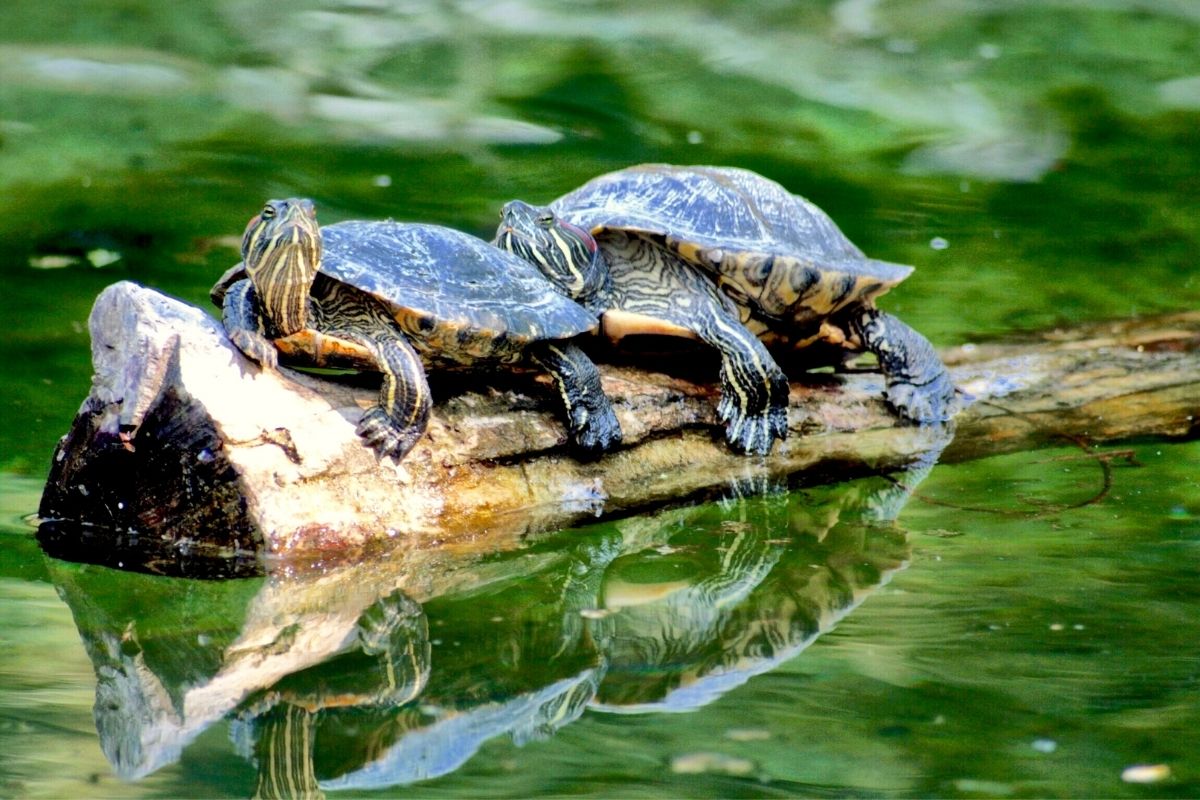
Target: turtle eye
x: 545, y: 219
x: 268, y: 211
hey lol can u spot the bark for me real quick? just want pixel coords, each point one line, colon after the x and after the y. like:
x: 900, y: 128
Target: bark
x: 186, y: 449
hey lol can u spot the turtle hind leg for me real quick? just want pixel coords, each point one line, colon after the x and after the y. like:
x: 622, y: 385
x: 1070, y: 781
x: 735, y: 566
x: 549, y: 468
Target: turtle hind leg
x: 918, y: 386
x: 590, y: 419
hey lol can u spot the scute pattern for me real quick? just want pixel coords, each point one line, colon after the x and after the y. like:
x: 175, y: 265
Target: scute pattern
x: 713, y: 207
x: 455, y: 287
x: 793, y: 275
x: 765, y: 246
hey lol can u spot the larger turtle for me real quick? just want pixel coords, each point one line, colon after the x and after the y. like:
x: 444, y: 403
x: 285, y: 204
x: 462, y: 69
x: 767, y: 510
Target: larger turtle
x: 793, y: 275
x: 385, y: 295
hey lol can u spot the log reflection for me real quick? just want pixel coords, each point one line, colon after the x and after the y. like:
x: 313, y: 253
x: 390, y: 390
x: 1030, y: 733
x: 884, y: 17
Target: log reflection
x: 397, y: 671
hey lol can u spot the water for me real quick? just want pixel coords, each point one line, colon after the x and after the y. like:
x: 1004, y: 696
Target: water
x: 1037, y: 162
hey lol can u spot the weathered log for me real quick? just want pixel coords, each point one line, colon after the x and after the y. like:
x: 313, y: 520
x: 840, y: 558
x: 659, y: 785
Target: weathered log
x: 183, y: 444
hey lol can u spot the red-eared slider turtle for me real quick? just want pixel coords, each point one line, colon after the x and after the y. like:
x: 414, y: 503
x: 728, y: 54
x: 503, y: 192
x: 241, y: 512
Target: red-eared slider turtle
x: 637, y: 286
x: 794, y: 276
x: 375, y: 294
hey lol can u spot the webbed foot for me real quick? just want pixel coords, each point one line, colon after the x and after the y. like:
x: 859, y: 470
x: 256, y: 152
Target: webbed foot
x: 255, y: 347
x: 753, y: 429
x: 591, y: 423
x: 386, y: 436
x: 244, y: 325
x: 594, y: 427
x: 918, y: 386
x: 935, y: 401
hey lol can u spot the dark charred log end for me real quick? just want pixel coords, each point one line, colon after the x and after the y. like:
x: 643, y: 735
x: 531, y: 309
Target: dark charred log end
x: 117, y: 497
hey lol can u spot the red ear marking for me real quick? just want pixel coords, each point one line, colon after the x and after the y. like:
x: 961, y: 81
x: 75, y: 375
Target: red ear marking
x: 588, y: 240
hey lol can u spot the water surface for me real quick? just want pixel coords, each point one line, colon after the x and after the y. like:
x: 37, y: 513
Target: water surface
x: 1037, y: 162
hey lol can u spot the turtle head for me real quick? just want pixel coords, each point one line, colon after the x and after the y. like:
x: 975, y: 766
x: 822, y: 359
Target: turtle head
x: 565, y: 253
x: 281, y: 250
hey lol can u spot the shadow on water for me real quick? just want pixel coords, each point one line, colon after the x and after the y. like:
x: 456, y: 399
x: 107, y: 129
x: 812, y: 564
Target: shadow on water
x: 397, y: 671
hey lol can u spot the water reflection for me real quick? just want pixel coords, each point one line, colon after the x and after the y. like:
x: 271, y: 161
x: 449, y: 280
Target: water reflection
x: 388, y: 673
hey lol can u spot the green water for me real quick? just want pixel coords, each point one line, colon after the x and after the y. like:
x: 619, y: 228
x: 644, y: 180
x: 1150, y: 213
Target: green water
x: 1037, y: 161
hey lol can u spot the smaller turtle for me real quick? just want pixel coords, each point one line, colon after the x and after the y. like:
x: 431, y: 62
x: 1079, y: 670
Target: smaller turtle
x: 387, y: 295
x: 795, y: 278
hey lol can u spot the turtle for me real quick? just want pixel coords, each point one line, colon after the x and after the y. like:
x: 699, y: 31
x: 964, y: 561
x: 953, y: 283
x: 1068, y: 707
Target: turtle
x: 794, y: 279
x: 389, y: 295
x: 636, y: 286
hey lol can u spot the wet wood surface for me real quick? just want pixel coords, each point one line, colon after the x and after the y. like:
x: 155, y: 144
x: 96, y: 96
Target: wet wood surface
x: 185, y: 445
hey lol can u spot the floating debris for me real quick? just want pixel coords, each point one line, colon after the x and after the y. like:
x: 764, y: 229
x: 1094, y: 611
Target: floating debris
x: 748, y: 734
x: 420, y: 119
x: 972, y: 786
x: 89, y: 74
x: 938, y: 243
x: 901, y: 47
x: 1044, y: 745
x: 52, y: 262
x: 102, y: 258
x: 594, y: 613
x: 1146, y: 773
x: 699, y: 763
x: 1181, y: 92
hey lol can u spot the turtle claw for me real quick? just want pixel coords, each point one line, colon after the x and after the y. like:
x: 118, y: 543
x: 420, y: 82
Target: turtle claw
x: 594, y: 430
x: 926, y: 403
x: 749, y: 435
x: 591, y: 423
x: 255, y: 347
x: 755, y: 433
x: 387, y: 438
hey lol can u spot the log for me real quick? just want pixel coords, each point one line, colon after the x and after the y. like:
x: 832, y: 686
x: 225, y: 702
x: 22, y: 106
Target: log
x: 185, y: 449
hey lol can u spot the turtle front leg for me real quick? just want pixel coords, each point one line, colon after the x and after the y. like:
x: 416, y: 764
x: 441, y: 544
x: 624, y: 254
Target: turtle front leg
x: 246, y: 326
x: 590, y: 419
x: 394, y: 425
x: 754, y: 390
x: 658, y: 286
x: 918, y: 386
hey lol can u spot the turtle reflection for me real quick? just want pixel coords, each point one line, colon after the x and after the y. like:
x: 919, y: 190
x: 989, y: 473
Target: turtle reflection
x: 662, y: 613
x: 679, y: 632
x: 510, y: 658
x: 393, y: 672
x: 387, y: 665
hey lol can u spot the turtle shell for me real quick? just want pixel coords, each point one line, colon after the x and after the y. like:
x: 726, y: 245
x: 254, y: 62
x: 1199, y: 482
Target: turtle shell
x: 458, y: 294
x: 768, y: 248
x: 442, y: 281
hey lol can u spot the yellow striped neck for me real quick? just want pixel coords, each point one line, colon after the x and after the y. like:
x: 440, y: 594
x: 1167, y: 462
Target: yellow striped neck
x: 282, y: 252
x: 566, y: 254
